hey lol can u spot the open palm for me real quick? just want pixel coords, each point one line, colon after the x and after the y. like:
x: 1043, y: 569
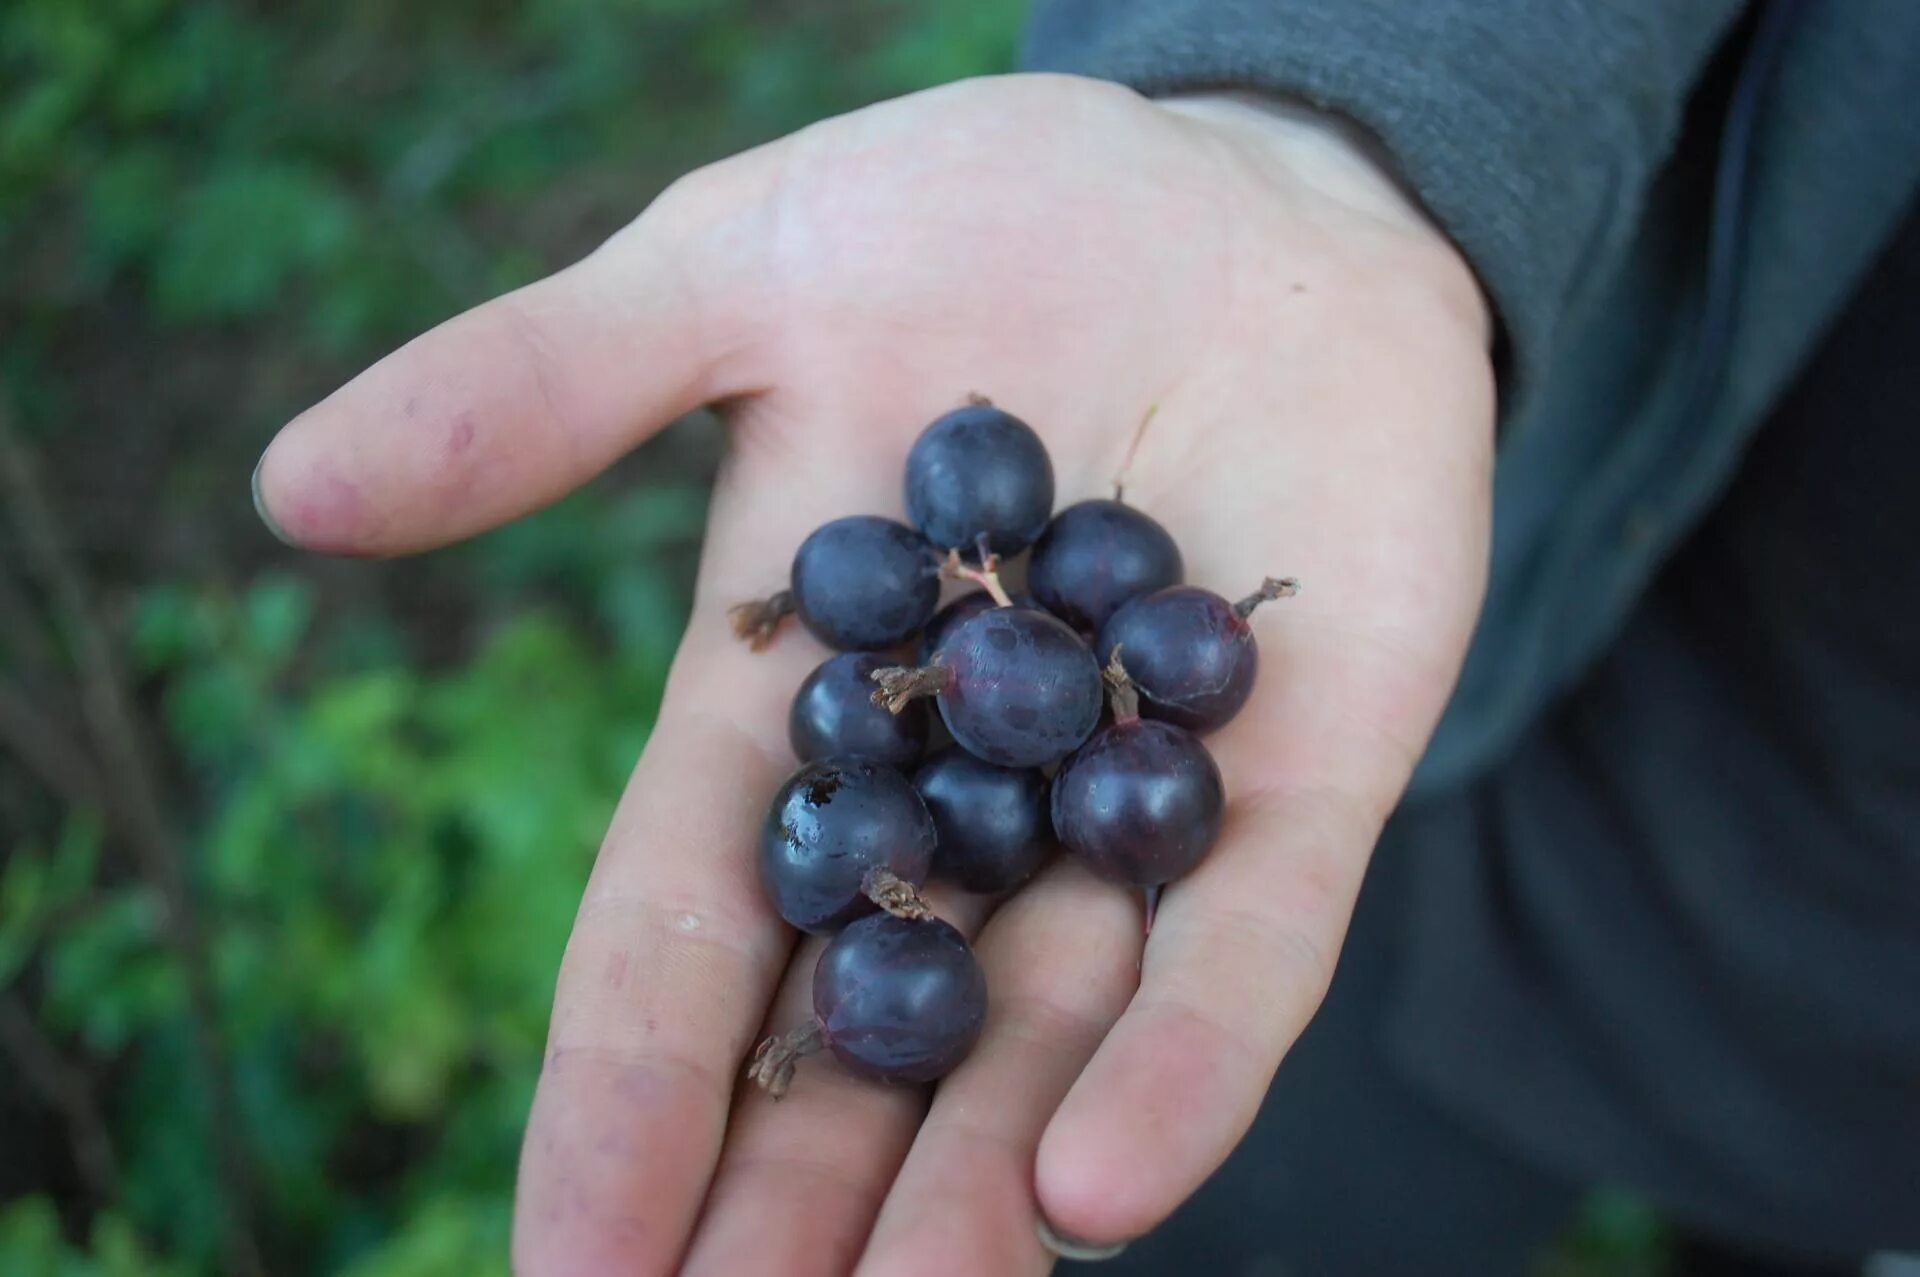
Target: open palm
x: 1316, y: 355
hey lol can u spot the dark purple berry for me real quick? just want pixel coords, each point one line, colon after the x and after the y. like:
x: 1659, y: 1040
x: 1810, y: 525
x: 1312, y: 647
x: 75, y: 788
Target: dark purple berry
x: 833, y: 715
x: 1191, y: 654
x: 1015, y: 685
x: 1097, y: 555
x: 1140, y: 803
x: 864, y: 583
x: 960, y: 609
x: 832, y: 824
x: 979, y: 472
x: 899, y: 1000
x: 992, y: 822
x: 1024, y: 690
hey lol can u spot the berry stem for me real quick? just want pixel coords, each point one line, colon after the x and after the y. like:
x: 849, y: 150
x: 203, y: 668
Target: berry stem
x: 986, y: 576
x: 1274, y: 587
x: 1126, y: 465
x: 896, y: 895
x: 977, y: 400
x: 1122, y: 696
x: 772, y: 1065
x: 902, y: 684
x: 757, y: 620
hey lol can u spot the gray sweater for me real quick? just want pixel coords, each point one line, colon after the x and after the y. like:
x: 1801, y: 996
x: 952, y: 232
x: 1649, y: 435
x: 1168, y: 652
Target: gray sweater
x: 1540, y: 133
x: 1669, y: 829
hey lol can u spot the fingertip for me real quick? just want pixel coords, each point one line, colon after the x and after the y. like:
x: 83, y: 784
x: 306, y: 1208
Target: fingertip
x: 306, y: 499
x: 1155, y: 1113
x: 261, y: 508
x: 1091, y: 1190
x: 1069, y: 1247
x: 1082, y: 1207
x: 466, y: 426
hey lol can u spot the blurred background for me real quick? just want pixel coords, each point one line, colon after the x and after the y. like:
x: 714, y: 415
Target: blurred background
x: 289, y: 848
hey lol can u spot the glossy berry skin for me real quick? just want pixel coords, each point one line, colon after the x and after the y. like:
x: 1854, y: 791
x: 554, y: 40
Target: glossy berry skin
x: 864, y: 583
x: 899, y: 1000
x: 1192, y: 658
x: 947, y: 618
x: 1097, y: 555
x: 979, y: 470
x: 993, y: 822
x: 830, y: 823
x: 833, y: 714
x: 1022, y: 690
x: 1140, y: 803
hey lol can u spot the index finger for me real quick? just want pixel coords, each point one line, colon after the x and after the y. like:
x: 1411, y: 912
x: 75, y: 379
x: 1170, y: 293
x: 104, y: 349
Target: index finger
x: 672, y: 960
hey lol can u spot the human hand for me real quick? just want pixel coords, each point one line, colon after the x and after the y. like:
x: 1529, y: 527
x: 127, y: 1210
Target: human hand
x: 1317, y: 354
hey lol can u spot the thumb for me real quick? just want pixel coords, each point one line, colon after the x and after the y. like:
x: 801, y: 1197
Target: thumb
x: 516, y: 402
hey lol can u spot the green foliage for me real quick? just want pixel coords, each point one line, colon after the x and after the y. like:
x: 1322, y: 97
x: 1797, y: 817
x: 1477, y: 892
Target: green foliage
x: 225, y: 160
x: 239, y: 237
x: 390, y: 857
x: 32, y: 1246
x: 1615, y: 1234
x: 218, y: 208
x: 452, y: 1235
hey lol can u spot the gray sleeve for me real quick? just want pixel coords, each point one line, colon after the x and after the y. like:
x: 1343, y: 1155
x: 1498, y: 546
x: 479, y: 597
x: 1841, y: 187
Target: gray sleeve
x: 1530, y: 128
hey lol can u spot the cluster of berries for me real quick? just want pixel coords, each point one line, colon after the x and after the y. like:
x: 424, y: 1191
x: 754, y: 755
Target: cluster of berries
x: 1020, y: 682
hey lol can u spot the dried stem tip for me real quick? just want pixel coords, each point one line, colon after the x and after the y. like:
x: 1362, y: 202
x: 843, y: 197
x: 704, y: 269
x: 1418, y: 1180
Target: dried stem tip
x: 758, y: 620
x: 896, y: 895
x: 901, y: 684
x: 1274, y: 587
x: 986, y: 576
x: 772, y: 1065
x: 1133, y: 450
x: 1122, y: 696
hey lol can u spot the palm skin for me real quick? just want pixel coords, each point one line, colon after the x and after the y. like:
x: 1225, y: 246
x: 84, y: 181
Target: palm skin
x: 1317, y: 358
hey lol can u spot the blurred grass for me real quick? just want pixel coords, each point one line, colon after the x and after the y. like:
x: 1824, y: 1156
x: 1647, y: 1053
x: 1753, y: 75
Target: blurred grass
x: 388, y: 781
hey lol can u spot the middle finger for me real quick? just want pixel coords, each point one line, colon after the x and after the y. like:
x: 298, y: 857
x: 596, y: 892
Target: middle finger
x: 1062, y: 958
x: 801, y: 1179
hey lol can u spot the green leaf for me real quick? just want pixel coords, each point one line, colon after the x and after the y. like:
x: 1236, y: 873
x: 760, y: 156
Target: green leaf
x: 118, y: 1252
x: 245, y: 234
x: 35, y: 123
x: 30, y: 1238
x: 127, y: 203
x: 446, y: 1236
x: 108, y: 973
x: 76, y: 858
x: 34, y: 885
x: 214, y: 710
x: 277, y: 612
x: 167, y: 626
x: 23, y: 905
x: 170, y: 1189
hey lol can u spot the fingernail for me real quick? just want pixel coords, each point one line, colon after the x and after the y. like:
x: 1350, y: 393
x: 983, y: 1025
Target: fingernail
x: 1068, y: 1248
x: 260, y: 508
